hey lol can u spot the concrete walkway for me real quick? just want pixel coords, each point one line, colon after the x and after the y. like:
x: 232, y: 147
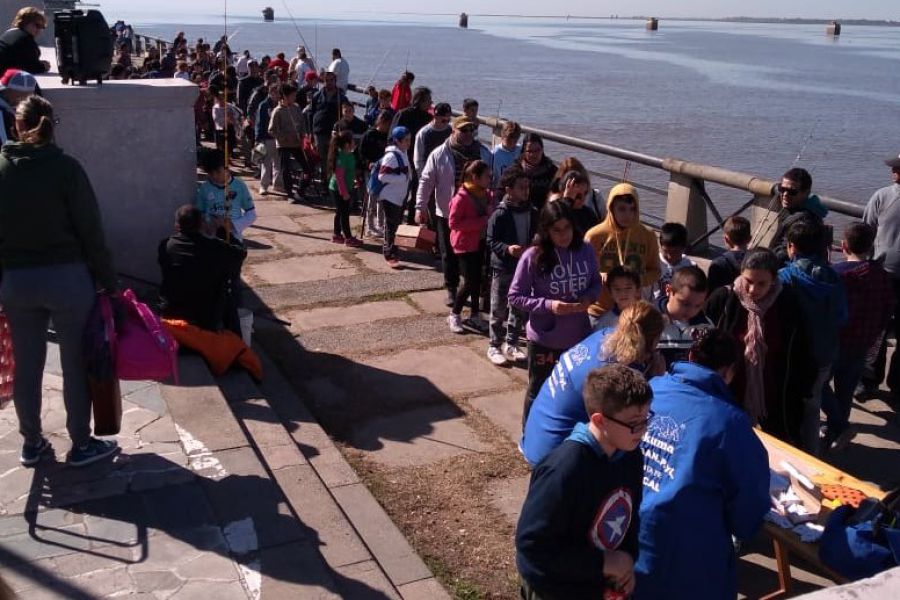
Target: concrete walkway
x: 211, y: 497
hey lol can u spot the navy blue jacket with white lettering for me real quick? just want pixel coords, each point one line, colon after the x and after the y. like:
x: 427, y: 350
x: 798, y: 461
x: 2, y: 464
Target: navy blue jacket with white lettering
x: 580, y: 504
x: 706, y: 478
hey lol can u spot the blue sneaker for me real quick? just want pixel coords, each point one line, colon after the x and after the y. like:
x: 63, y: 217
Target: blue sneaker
x: 31, y: 455
x: 91, y: 452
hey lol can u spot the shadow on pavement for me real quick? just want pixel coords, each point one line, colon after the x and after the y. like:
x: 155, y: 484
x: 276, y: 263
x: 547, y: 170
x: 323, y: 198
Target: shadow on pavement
x: 240, y: 517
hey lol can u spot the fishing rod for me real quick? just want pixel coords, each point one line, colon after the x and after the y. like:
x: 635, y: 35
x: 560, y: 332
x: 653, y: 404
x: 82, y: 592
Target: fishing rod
x: 378, y: 68
x: 297, y: 27
x: 227, y: 220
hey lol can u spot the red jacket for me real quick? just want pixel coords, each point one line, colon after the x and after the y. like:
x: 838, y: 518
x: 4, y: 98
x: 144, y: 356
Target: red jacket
x: 467, y: 227
x: 282, y: 65
x: 401, y: 96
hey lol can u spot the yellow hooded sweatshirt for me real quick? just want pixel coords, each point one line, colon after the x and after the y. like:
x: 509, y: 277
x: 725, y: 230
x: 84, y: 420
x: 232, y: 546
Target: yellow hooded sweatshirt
x: 635, y: 247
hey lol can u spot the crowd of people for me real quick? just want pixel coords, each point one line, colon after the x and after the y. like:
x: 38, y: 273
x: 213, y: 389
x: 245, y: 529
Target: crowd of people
x: 646, y: 374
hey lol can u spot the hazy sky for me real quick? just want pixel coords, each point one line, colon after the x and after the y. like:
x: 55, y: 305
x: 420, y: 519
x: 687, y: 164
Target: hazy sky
x: 870, y: 9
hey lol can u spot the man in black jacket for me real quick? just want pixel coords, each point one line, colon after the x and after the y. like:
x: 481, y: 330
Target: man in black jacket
x: 196, y: 270
x: 18, y: 48
x: 798, y: 205
x: 326, y: 110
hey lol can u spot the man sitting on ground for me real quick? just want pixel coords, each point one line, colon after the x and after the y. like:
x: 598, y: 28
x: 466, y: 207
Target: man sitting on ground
x: 196, y: 269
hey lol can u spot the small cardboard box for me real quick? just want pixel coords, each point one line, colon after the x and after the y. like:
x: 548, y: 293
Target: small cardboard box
x: 415, y: 237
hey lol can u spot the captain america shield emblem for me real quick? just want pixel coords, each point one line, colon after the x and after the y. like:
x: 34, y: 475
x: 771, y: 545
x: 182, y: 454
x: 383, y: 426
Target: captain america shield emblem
x: 612, y: 520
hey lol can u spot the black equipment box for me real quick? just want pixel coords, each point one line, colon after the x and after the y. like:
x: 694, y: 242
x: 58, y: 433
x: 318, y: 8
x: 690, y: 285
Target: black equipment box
x: 84, y: 45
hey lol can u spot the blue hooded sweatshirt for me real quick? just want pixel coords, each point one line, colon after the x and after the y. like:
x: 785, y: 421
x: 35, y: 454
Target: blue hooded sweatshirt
x: 559, y: 405
x: 823, y: 303
x: 706, y: 478
x: 581, y: 503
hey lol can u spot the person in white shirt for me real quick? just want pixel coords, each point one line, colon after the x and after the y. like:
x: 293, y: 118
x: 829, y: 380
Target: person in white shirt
x: 242, y: 66
x: 341, y: 69
x: 394, y: 173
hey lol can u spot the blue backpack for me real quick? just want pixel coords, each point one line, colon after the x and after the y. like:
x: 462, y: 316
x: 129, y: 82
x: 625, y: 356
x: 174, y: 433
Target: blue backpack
x: 375, y: 185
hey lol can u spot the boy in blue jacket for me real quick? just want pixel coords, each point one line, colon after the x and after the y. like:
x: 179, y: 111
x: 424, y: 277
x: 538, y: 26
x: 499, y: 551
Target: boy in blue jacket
x: 823, y: 303
x: 706, y: 478
x: 577, y: 535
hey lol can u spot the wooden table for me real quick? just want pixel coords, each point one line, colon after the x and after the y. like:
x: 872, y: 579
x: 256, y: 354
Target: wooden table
x: 785, y: 541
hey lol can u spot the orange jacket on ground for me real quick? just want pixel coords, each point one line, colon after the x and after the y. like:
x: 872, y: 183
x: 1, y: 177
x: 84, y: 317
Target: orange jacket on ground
x: 221, y: 349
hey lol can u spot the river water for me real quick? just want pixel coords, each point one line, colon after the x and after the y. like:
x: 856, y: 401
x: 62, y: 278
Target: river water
x: 757, y: 98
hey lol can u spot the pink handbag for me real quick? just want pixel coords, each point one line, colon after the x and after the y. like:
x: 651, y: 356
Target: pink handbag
x: 143, y: 348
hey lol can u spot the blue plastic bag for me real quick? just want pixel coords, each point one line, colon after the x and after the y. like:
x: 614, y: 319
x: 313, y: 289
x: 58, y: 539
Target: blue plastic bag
x: 860, y: 550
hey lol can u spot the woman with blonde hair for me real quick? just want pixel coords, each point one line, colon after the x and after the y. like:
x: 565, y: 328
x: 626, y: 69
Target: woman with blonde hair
x: 559, y: 406
x: 18, y: 47
x: 54, y: 259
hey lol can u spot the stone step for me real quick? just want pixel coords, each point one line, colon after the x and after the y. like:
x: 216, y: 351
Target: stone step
x: 361, y: 546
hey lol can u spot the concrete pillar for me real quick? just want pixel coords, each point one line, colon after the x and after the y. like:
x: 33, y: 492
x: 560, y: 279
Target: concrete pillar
x: 135, y: 138
x: 763, y: 216
x: 686, y: 205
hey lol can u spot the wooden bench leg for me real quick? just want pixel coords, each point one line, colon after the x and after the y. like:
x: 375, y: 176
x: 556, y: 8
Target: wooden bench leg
x: 783, y: 561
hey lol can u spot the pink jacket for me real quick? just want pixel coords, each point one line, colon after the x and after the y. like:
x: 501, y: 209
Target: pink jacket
x: 467, y: 227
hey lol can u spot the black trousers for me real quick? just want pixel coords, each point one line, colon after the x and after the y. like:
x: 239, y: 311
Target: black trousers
x: 285, y: 155
x: 448, y: 258
x: 471, y: 265
x: 342, y: 215
x: 393, y: 215
x: 411, y: 198
x: 541, y: 361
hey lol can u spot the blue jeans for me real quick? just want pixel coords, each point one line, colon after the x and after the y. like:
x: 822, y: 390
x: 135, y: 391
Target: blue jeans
x: 838, y: 397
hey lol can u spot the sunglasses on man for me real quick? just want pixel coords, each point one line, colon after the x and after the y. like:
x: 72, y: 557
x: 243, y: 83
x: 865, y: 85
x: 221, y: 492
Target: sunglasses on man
x: 787, y: 190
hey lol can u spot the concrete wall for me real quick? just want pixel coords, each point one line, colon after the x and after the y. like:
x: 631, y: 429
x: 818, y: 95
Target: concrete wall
x: 136, y: 141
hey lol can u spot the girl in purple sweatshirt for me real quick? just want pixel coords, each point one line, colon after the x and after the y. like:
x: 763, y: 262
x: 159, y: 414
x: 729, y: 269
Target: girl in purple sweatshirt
x: 556, y: 280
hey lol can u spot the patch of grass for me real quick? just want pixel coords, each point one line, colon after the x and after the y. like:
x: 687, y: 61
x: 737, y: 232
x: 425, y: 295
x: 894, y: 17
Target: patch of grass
x: 384, y: 296
x: 461, y: 589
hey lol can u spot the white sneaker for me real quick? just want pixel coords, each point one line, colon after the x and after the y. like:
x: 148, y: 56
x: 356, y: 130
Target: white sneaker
x: 496, y: 356
x: 263, y: 191
x: 455, y: 323
x: 513, y: 353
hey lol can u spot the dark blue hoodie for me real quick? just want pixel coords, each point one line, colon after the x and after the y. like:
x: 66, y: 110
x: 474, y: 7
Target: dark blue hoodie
x: 823, y: 304
x: 706, y: 478
x: 580, y: 504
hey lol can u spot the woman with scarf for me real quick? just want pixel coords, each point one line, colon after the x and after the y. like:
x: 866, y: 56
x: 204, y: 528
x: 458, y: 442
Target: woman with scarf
x: 469, y: 212
x: 539, y: 169
x: 777, y: 371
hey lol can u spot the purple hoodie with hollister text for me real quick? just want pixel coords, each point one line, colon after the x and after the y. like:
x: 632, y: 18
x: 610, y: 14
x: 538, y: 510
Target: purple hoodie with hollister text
x: 574, y: 277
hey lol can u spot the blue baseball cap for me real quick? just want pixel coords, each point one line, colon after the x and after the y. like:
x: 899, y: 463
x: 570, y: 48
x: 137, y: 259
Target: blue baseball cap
x: 399, y: 132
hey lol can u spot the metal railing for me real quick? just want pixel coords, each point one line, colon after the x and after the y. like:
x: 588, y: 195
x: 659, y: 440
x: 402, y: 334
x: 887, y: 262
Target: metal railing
x: 687, y: 199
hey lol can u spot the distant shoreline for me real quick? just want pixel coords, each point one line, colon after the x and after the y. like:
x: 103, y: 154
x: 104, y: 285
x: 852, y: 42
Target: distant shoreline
x: 761, y: 20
